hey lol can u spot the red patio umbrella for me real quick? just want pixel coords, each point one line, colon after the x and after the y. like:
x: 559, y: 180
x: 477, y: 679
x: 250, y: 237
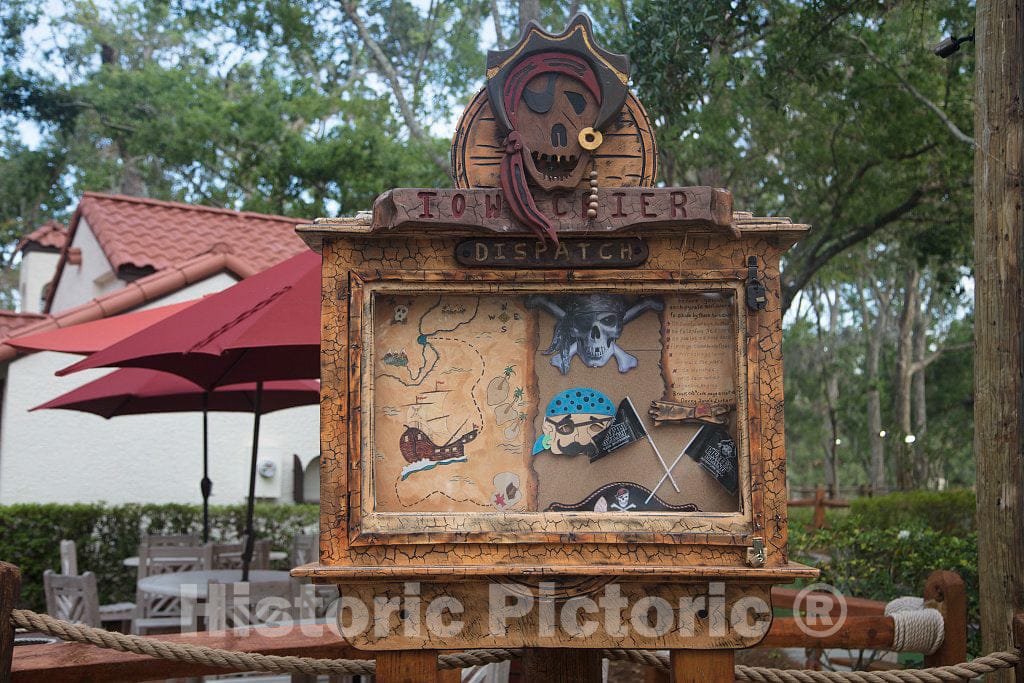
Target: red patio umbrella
x: 135, y: 391
x: 95, y: 334
x: 266, y: 327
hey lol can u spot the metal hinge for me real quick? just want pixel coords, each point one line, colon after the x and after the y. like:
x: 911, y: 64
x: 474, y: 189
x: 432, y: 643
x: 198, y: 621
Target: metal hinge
x: 755, y: 553
x: 757, y: 297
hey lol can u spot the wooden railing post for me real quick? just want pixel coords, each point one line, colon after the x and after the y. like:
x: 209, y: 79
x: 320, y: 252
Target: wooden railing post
x: 652, y: 675
x: 407, y: 666
x: 10, y: 591
x: 562, y: 665
x: 819, y: 508
x: 703, y: 666
x: 945, y: 591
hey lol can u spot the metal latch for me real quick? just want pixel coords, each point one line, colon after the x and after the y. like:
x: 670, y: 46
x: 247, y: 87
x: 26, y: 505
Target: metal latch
x: 755, y: 553
x: 757, y: 297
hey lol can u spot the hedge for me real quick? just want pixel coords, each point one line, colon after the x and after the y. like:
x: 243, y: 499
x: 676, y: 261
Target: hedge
x: 951, y: 512
x: 30, y: 537
x: 887, y: 546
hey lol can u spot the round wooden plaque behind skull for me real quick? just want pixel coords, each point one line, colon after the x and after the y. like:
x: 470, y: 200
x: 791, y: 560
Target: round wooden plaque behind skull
x: 628, y: 157
x: 556, y: 94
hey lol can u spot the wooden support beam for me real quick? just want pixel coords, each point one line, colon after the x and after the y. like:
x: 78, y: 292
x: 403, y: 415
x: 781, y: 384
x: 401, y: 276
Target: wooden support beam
x: 562, y: 666
x: 945, y: 591
x: 10, y: 591
x: 72, y: 662
x: 407, y: 666
x: 999, y: 316
x: 78, y: 663
x: 449, y: 676
x: 785, y: 598
x: 856, y: 633
x: 703, y: 666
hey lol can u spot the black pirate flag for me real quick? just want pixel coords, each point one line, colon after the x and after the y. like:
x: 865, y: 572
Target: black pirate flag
x: 625, y: 429
x: 715, y: 450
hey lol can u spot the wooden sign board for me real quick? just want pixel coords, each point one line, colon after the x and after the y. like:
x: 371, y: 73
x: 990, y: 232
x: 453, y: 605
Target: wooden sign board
x: 690, y: 207
x: 550, y: 377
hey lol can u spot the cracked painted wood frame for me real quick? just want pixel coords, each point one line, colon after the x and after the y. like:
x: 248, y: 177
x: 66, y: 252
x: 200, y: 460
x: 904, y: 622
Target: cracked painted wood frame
x: 677, y: 258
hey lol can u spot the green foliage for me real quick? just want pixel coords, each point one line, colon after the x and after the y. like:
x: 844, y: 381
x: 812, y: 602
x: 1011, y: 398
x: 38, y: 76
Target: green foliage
x: 802, y: 109
x: 946, y: 512
x: 30, y: 537
x: 886, y: 562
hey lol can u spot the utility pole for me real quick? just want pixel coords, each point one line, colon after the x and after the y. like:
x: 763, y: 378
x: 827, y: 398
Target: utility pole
x: 999, y: 322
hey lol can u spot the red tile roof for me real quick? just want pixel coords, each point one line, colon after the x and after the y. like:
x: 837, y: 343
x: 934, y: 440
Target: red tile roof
x: 140, y: 233
x: 49, y: 235
x: 148, y: 233
x: 132, y: 295
x: 11, y: 322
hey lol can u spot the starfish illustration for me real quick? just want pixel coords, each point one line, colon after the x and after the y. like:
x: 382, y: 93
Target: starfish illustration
x: 499, y: 500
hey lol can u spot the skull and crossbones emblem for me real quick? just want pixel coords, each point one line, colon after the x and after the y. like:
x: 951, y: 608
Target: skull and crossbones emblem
x: 589, y: 326
x: 622, y: 503
x: 401, y: 315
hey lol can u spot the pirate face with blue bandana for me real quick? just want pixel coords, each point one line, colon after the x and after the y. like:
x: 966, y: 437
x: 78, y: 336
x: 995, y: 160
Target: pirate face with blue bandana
x: 571, y: 421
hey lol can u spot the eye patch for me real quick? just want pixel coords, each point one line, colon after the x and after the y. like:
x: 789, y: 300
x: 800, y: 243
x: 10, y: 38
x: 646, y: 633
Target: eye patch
x: 577, y: 101
x: 540, y: 101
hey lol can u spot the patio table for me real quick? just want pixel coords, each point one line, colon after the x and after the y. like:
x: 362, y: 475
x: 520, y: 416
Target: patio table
x: 172, y: 583
x: 275, y: 555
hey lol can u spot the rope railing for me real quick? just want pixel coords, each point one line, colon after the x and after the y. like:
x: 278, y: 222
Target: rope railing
x: 243, y: 661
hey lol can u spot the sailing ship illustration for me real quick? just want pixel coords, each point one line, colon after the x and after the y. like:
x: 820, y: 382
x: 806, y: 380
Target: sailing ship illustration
x: 416, y: 445
x: 426, y: 442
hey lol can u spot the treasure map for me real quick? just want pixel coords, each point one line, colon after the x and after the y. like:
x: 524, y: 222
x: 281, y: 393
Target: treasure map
x: 453, y: 401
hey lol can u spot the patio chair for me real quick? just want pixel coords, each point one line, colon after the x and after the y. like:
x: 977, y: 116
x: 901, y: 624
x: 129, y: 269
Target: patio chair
x: 162, y: 540
x: 229, y: 555
x: 305, y: 549
x: 68, y: 558
x: 161, y: 612
x: 76, y: 599
x: 117, y: 611
x: 240, y: 605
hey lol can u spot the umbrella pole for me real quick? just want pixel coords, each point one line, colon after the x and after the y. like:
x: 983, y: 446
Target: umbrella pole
x: 249, y: 531
x: 206, y: 486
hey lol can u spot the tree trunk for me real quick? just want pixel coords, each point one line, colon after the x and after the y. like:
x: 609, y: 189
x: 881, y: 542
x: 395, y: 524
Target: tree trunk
x: 874, y: 335
x: 999, y: 286
x: 904, y: 376
x: 529, y: 10
x: 922, y: 468
x: 830, y: 385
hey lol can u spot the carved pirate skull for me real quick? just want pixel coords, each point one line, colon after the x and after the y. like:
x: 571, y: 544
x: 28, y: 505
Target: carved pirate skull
x: 589, y: 325
x: 401, y: 314
x: 552, y: 95
x: 554, y: 111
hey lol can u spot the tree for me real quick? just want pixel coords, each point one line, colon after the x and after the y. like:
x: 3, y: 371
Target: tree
x: 835, y: 113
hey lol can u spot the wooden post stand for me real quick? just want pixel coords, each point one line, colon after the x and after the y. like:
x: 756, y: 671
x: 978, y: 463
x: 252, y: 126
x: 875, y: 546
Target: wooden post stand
x: 945, y: 591
x: 407, y: 666
x: 703, y: 666
x: 10, y: 591
x: 561, y: 666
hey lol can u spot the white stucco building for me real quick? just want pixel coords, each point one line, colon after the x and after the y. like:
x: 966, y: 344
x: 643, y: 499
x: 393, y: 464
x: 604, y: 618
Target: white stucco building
x: 121, y: 254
